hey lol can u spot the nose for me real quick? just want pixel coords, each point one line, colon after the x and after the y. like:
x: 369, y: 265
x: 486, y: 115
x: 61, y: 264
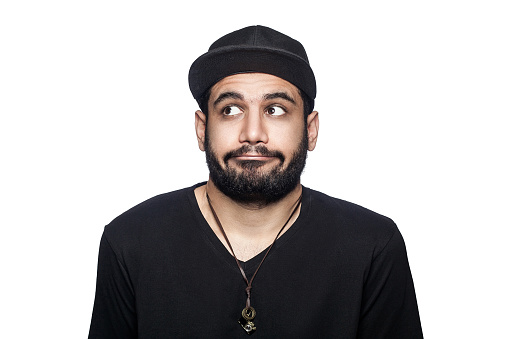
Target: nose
x: 253, y: 129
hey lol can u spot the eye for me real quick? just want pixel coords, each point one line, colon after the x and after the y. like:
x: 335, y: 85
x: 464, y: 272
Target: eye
x: 231, y: 110
x: 275, y: 110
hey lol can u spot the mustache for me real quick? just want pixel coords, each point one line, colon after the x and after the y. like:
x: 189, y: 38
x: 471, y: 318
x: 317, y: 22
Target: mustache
x: 259, y: 150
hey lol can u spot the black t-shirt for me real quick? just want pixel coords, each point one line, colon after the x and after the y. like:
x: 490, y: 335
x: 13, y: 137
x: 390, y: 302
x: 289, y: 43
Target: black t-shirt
x: 340, y: 271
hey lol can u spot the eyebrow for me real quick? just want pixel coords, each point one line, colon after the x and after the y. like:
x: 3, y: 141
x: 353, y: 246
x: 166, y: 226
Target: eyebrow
x: 268, y: 96
x: 227, y: 95
x: 279, y: 95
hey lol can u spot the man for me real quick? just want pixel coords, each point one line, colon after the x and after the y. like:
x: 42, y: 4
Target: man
x: 252, y: 251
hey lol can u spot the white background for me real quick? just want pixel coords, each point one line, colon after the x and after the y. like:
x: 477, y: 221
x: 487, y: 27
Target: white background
x: 96, y: 116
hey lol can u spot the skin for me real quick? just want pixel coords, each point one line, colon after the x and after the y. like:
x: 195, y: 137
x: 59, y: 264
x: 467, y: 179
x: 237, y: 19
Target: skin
x: 252, y: 109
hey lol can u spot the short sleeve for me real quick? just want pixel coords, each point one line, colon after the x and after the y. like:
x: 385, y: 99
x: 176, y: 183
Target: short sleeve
x: 389, y: 305
x: 114, y: 314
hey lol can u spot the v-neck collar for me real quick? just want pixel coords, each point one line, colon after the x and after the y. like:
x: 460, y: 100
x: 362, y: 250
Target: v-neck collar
x: 250, y: 265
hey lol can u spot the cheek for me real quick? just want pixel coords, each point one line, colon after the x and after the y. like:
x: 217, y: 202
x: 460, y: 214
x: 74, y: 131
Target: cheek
x: 221, y: 140
x: 287, y: 139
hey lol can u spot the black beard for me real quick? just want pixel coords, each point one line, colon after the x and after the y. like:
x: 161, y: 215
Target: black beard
x: 251, y: 185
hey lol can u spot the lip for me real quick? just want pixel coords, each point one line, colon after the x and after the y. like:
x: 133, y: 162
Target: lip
x: 253, y: 157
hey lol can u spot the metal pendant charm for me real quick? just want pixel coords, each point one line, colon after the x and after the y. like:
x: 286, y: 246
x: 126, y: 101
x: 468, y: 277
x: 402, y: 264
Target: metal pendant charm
x: 248, y: 314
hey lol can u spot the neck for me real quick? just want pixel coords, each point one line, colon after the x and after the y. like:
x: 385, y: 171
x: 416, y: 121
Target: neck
x: 252, y: 215
x: 251, y: 227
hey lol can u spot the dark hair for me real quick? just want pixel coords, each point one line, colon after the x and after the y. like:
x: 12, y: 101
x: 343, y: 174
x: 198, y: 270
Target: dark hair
x: 203, y: 103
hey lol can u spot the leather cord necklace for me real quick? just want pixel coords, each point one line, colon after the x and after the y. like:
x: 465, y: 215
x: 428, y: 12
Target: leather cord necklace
x: 248, y: 313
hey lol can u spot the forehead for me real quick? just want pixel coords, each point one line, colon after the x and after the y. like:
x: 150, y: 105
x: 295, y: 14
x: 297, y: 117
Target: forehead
x: 254, y: 86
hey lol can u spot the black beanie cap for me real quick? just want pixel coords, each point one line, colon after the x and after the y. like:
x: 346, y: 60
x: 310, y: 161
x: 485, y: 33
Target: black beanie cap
x: 253, y: 49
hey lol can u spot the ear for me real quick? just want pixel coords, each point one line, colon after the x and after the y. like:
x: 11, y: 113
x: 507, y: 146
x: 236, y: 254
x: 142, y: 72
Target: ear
x: 200, y: 123
x: 312, y: 126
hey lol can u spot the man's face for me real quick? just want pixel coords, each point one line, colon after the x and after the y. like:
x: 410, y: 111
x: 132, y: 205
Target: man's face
x: 256, y: 137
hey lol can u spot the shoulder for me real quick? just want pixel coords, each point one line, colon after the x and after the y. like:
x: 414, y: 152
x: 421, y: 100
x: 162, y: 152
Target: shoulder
x: 334, y: 208
x: 152, y: 216
x: 354, y: 224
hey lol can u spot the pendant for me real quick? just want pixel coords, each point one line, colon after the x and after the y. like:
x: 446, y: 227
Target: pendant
x: 248, y: 314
